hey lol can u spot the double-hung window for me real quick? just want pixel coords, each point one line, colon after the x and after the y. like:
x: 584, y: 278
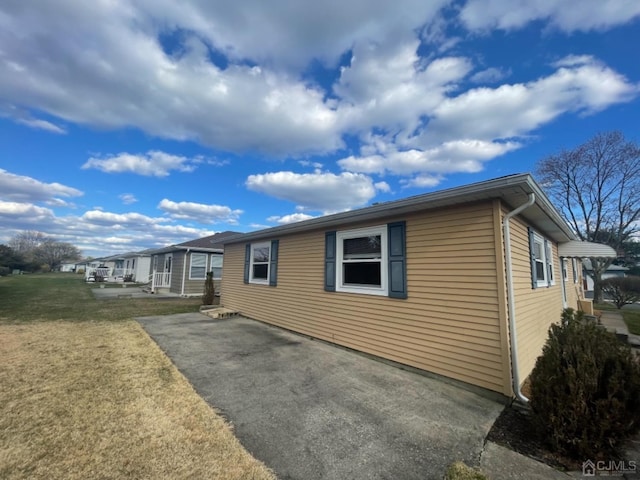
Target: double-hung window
x: 216, y: 266
x: 362, y: 258
x: 541, y: 260
x: 370, y: 260
x: 261, y: 263
x: 259, y: 268
x: 198, y: 266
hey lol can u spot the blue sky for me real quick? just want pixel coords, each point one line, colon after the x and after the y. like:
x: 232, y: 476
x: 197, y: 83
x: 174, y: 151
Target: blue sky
x: 139, y: 124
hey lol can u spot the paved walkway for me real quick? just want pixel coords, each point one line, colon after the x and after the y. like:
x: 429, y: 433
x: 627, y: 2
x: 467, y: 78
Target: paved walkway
x: 313, y: 411
x: 614, y: 323
x: 310, y: 410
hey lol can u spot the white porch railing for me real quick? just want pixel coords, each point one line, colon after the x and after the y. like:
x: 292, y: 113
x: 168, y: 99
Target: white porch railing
x: 160, y: 279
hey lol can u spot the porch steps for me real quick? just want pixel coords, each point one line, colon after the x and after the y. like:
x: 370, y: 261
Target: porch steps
x: 219, y: 312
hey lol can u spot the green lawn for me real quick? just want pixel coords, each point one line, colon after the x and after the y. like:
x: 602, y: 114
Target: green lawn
x: 631, y: 317
x: 65, y: 296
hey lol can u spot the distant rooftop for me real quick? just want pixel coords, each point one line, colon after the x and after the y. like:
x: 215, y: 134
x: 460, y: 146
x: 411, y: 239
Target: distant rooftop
x: 212, y: 241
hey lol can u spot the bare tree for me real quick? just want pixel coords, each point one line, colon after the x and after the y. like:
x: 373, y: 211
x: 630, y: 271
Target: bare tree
x: 38, y: 249
x: 26, y: 242
x: 54, y: 253
x: 597, y: 188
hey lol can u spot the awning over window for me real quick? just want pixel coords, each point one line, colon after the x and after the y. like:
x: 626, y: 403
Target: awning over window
x: 578, y: 249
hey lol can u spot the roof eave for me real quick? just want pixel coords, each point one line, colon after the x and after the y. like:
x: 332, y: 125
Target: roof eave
x: 511, y: 189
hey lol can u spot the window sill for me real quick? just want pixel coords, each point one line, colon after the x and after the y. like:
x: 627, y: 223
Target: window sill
x: 363, y: 290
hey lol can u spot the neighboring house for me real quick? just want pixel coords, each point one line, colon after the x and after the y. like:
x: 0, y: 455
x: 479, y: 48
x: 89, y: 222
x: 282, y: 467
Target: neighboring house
x: 134, y: 266
x: 610, y: 272
x: 463, y: 283
x: 182, y: 268
x: 67, y: 267
x: 103, y: 267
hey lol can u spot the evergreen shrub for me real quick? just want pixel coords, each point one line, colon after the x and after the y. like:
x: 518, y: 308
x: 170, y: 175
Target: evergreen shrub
x: 585, y: 390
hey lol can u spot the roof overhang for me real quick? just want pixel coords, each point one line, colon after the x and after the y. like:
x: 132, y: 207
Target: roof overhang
x: 513, y: 190
x: 578, y: 249
x: 181, y: 248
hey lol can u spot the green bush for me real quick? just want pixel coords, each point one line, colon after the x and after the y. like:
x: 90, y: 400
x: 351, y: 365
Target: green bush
x: 4, y: 271
x: 622, y: 290
x: 585, y: 390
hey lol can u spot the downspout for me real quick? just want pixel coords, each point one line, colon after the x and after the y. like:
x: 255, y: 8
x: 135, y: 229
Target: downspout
x: 184, y: 270
x: 510, y: 297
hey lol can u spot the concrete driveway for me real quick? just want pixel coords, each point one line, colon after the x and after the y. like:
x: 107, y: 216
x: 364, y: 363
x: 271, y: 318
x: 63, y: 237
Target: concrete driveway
x: 310, y: 410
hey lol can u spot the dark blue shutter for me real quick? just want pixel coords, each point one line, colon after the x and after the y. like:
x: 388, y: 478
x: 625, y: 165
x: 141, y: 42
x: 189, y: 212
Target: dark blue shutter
x: 532, y: 260
x: 396, y: 233
x: 273, y: 264
x: 247, y: 262
x: 330, y: 261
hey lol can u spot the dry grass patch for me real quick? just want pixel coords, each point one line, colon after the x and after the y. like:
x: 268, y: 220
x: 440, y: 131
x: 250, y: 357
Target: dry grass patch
x: 100, y: 400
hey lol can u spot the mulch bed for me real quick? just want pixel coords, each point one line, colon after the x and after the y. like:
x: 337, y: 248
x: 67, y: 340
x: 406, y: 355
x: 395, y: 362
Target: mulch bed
x: 515, y: 430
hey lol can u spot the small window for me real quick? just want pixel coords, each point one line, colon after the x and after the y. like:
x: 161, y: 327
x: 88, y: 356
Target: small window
x: 362, y: 261
x: 541, y: 264
x: 198, y: 267
x: 574, y: 268
x: 216, y: 266
x: 259, y: 268
x: 565, y: 272
x: 549, y: 258
x: 542, y: 261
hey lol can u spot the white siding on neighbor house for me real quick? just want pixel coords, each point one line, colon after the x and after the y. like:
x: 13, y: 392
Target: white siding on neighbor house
x: 452, y: 323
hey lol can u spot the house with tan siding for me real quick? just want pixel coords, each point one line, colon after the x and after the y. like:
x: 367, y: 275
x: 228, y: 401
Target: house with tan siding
x: 463, y: 283
x: 182, y: 268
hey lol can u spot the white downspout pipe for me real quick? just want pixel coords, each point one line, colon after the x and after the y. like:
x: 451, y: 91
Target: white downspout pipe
x: 510, y: 297
x: 184, y: 270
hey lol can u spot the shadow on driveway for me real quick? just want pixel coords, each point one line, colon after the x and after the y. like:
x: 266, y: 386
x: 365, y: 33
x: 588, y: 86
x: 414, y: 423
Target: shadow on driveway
x: 310, y: 410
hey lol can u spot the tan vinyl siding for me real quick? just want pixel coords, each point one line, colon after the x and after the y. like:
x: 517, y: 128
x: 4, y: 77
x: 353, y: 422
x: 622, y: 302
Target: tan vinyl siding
x: 536, y: 309
x: 448, y: 325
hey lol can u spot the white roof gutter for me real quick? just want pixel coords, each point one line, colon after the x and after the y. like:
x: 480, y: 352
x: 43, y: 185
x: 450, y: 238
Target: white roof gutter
x: 515, y: 373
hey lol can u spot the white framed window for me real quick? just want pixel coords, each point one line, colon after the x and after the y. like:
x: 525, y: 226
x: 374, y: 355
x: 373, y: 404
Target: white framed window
x: 565, y: 270
x: 259, y: 262
x: 198, y: 266
x: 362, y: 261
x: 574, y: 268
x: 216, y: 266
x: 540, y: 261
x: 543, y: 261
x: 549, y: 257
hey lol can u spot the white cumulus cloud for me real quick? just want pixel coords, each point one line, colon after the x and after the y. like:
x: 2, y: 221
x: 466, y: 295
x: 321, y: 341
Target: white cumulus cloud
x: 27, y: 189
x: 318, y: 191
x: 568, y: 16
x: 199, y: 212
x: 128, y: 198
x: 152, y: 164
x: 291, y: 218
